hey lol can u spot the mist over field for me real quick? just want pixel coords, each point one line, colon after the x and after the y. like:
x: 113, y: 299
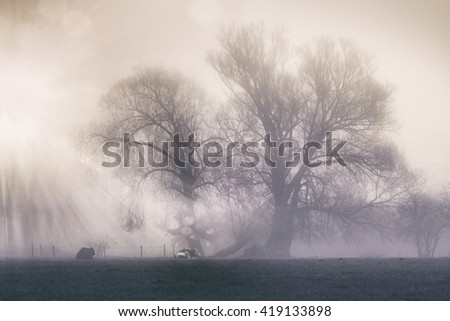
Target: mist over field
x: 76, y: 75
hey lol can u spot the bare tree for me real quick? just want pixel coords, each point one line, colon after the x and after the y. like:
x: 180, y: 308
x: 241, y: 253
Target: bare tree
x: 328, y: 87
x: 158, y: 110
x: 423, y: 219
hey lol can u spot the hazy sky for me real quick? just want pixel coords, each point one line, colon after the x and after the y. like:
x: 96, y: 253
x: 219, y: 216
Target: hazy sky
x: 57, y: 58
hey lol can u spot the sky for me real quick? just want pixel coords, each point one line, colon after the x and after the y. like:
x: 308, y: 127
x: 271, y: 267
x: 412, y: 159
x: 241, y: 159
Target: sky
x: 57, y: 58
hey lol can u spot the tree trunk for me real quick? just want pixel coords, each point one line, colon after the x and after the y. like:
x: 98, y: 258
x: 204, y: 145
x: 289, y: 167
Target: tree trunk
x: 281, y: 233
x: 192, y: 239
x: 436, y: 240
x: 419, y: 246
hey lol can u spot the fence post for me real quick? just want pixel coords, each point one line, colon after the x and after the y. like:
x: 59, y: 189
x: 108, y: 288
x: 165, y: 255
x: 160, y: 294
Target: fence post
x: 142, y: 252
x: 164, y: 250
x: 54, y: 251
x: 32, y: 250
x: 40, y: 249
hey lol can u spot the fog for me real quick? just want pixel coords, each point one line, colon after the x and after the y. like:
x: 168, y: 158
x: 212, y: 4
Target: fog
x: 58, y: 59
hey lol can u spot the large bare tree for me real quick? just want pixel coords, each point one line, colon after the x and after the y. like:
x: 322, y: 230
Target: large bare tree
x: 299, y: 96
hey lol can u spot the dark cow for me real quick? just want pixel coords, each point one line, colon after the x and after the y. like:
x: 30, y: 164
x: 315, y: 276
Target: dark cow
x: 85, y: 254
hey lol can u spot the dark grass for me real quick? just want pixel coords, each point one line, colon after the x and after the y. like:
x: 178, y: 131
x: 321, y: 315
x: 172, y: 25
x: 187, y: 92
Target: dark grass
x: 302, y: 279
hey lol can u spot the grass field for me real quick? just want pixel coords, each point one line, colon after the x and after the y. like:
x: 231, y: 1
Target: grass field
x: 300, y: 279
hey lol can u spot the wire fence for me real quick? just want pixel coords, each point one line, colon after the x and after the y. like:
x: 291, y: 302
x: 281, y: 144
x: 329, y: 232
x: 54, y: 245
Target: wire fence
x: 46, y: 251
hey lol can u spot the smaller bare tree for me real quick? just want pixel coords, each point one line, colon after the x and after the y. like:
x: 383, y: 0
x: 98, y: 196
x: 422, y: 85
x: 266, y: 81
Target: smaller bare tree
x: 100, y: 244
x: 423, y: 219
x: 158, y: 110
